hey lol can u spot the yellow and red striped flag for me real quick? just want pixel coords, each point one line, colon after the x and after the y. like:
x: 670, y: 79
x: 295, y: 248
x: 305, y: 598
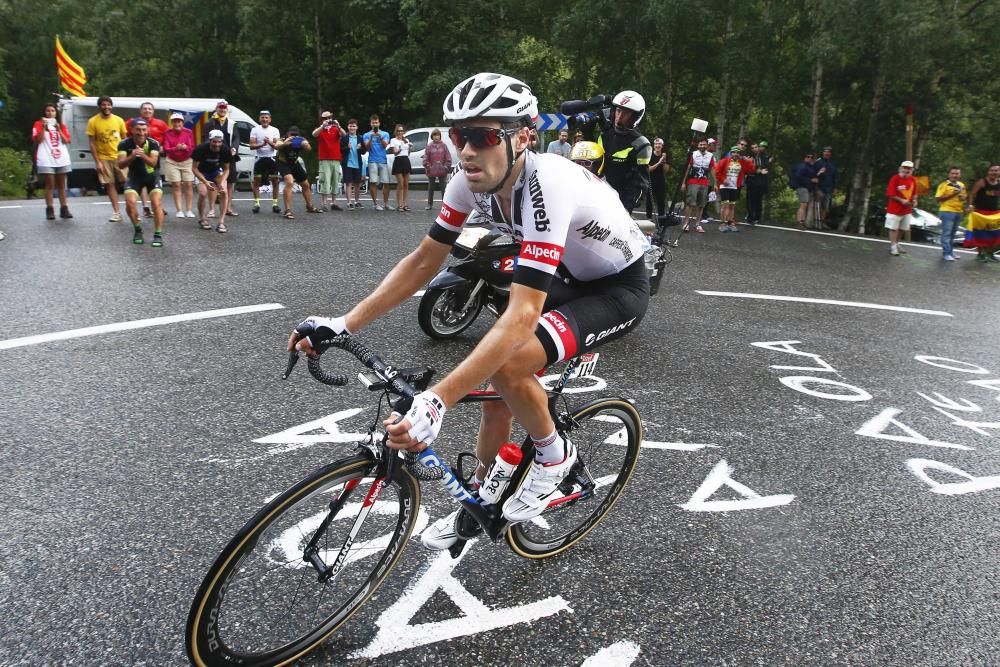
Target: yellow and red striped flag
x: 71, y: 75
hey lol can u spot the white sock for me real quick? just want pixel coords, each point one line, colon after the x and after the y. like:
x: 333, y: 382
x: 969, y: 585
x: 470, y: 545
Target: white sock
x: 550, y: 449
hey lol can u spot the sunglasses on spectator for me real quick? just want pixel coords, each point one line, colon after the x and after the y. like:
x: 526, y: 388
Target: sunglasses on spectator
x: 479, y: 137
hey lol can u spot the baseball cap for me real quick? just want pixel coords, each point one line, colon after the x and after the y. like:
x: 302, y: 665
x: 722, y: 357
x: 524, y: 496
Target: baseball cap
x: 176, y: 116
x: 216, y: 134
x: 222, y: 104
x: 264, y: 112
x: 906, y: 163
x: 734, y: 149
x: 712, y: 140
x: 139, y: 121
x: 762, y: 143
x: 828, y: 148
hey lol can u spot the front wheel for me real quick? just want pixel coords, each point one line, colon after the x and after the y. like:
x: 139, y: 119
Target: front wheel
x: 443, y: 312
x: 267, y: 600
x: 607, y: 434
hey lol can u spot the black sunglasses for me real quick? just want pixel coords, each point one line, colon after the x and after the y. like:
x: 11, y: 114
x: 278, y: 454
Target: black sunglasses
x: 479, y: 137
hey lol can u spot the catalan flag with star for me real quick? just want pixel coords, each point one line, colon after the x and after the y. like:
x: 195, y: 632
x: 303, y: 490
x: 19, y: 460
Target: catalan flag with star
x: 71, y: 75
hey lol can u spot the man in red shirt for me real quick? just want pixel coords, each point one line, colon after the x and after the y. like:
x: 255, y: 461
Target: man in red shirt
x: 902, y: 197
x: 157, y: 128
x: 328, y: 136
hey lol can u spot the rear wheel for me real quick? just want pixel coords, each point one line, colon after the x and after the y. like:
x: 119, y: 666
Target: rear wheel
x: 607, y: 434
x: 443, y: 312
x: 265, y: 602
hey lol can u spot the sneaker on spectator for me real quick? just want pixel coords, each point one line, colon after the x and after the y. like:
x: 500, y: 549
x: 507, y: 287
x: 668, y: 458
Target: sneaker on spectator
x: 893, y: 250
x: 949, y: 258
x: 191, y: 214
x: 379, y: 207
x: 699, y: 229
x: 180, y: 214
x: 115, y: 217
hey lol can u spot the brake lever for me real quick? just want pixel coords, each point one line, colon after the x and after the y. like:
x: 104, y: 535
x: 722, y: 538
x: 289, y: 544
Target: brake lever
x: 293, y: 357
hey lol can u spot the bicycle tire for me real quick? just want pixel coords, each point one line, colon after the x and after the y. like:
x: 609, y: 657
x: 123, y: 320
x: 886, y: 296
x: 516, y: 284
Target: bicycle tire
x: 230, y: 621
x: 565, y: 523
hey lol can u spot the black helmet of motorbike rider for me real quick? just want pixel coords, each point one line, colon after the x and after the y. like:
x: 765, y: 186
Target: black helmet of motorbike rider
x: 588, y: 154
x: 629, y: 108
x: 495, y: 97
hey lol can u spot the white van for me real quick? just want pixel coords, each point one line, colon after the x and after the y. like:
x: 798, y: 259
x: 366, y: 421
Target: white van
x: 76, y: 111
x: 420, y: 137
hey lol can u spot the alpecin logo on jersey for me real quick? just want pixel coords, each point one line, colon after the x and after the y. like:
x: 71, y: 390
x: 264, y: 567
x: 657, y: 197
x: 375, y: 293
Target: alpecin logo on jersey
x: 451, y: 217
x: 538, y: 203
x: 546, y: 253
x: 592, y: 230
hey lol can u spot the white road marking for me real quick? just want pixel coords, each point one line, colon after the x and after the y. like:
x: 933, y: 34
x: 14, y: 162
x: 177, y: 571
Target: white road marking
x: 621, y: 654
x: 853, y: 237
x: 721, y: 475
x: 134, y: 324
x: 834, y: 302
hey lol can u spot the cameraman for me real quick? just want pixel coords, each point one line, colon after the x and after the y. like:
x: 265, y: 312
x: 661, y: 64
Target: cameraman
x: 626, y: 151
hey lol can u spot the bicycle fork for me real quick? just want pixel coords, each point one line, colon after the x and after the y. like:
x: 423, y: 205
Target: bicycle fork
x: 311, y: 553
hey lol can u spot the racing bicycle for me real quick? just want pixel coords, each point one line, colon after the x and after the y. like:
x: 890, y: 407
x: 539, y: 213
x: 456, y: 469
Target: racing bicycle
x: 313, y: 555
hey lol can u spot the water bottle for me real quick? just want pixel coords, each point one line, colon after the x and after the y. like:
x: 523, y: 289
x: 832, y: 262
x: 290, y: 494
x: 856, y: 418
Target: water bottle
x: 500, y: 474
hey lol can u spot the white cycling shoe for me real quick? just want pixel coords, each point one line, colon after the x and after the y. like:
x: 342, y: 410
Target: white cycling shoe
x: 541, y: 482
x: 441, y: 534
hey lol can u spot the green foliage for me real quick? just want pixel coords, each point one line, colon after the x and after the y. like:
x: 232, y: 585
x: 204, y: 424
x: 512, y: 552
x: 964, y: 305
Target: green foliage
x: 15, y: 167
x: 398, y: 58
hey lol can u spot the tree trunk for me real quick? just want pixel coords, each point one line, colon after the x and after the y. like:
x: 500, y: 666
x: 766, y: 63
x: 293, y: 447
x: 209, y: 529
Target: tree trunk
x: 319, y: 63
x: 867, y: 200
x: 817, y: 95
x: 745, y: 120
x: 862, y: 165
x: 922, y: 132
x: 724, y: 87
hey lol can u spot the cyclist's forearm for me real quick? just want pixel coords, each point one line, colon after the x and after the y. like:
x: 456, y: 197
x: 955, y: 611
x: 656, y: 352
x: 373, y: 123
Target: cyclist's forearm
x: 412, y: 273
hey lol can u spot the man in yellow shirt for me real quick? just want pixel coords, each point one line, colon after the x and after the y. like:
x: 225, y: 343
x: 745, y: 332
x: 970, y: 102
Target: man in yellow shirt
x: 951, y: 196
x: 105, y: 131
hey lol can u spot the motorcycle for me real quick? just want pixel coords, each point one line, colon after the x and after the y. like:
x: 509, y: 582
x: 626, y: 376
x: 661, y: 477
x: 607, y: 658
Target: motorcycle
x: 480, y: 279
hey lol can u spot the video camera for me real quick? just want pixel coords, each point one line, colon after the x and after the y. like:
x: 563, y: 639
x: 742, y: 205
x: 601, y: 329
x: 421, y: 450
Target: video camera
x: 582, y: 112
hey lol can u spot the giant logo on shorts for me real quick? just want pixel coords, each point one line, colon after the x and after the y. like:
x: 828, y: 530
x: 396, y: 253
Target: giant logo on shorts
x: 547, y: 253
x: 591, y: 338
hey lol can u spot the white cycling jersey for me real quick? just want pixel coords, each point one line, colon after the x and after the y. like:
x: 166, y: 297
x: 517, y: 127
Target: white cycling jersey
x: 564, y: 216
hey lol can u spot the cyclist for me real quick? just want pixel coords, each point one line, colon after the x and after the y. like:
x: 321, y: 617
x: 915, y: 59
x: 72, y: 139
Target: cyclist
x: 627, y: 151
x: 580, y: 282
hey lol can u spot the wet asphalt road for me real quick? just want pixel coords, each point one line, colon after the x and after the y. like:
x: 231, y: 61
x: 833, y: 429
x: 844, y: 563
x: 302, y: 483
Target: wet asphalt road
x: 129, y: 457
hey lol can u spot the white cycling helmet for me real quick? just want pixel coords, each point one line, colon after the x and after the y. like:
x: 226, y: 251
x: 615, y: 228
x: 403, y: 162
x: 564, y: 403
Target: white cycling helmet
x: 488, y: 95
x: 631, y: 100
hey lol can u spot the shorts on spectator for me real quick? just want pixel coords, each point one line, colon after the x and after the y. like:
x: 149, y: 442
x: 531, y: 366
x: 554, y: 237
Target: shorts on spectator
x: 136, y: 185
x: 378, y: 173
x: 295, y: 169
x: 112, y: 169
x: 697, y: 195
x: 178, y: 172
x: 805, y: 195
x: 401, y: 165
x: 264, y: 168
x: 729, y: 194
x: 329, y: 177
x: 65, y: 169
x: 352, y: 175
x: 893, y: 221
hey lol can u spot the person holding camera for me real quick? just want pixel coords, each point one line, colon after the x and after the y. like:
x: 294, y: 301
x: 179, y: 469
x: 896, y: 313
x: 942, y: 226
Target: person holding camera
x: 327, y: 137
x: 291, y: 170
x: 376, y: 142
x: 627, y: 152
x: 52, y: 160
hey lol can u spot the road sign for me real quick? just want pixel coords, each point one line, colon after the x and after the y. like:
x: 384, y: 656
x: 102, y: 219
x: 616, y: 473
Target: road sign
x: 550, y: 121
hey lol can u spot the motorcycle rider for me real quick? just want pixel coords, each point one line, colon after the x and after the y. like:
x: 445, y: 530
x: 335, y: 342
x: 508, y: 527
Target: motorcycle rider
x: 589, y: 155
x: 580, y: 281
x: 627, y: 152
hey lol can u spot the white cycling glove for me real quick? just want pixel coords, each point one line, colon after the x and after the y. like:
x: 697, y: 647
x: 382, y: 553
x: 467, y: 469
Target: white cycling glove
x: 425, y: 416
x: 319, y: 329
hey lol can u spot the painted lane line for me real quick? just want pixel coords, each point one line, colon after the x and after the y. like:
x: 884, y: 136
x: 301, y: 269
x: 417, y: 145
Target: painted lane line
x: 834, y: 302
x: 135, y: 324
x: 854, y: 237
x: 676, y: 446
x: 18, y: 206
x: 622, y: 654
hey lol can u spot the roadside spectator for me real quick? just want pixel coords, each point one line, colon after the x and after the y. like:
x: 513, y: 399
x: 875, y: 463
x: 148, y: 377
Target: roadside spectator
x: 951, y: 196
x: 352, y: 147
x: 291, y: 170
x: 437, y: 165
x: 221, y: 121
x: 826, y: 172
x: 211, y: 162
x: 52, y: 159
x: 376, y: 141
x: 902, y: 197
x: 178, y: 144
x: 105, y: 131
x: 156, y: 130
x: 984, y: 216
x: 578, y: 137
x: 561, y: 146
x: 328, y: 136
x: 400, y: 146
x: 757, y: 182
x: 729, y: 175
x: 700, y: 169
x: 140, y: 154
x: 262, y: 141
x: 659, y: 167
x: 803, y: 180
